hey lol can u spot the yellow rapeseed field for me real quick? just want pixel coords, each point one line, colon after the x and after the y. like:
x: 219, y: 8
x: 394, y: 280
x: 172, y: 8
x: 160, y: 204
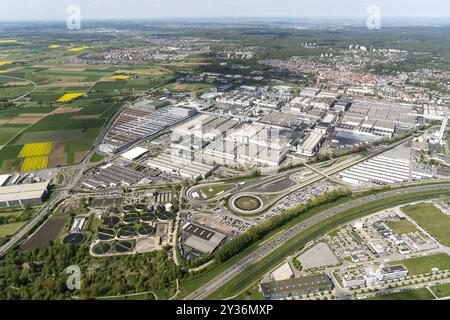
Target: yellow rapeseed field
x: 77, y: 49
x: 69, y: 97
x: 8, y: 41
x: 36, y: 149
x: 4, y: 63
x: 35, y: 163
x: 119, y: 77
x: 54, y: 46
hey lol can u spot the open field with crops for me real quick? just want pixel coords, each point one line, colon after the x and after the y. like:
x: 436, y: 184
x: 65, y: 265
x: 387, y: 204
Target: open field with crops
x: 36, y: 149
x: 57, y: 123
x: 431, y: 219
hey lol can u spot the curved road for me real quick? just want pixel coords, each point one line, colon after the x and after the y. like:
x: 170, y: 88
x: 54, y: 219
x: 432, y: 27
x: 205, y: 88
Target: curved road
x: 273, y: 244
x: 26, y: 94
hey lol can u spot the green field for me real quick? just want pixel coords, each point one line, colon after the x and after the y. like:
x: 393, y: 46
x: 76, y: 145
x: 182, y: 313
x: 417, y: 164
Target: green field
x: 187, y: 87
x: 96, y: 158
x: 431, y: 219
x: 8, y: 132
x: 10, y: 213
x: 251, y: 293
x: 441, y: 290
x: 422, y: 265
x: 416, y: 294
x: 212, y: 191
x: 401, y: 226
x: 10, y: 228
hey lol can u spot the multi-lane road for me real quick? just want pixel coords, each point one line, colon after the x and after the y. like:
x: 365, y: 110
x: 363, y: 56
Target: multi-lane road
x: 276, y: 242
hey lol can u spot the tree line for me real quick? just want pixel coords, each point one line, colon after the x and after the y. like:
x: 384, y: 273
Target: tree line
x: 41, y: 273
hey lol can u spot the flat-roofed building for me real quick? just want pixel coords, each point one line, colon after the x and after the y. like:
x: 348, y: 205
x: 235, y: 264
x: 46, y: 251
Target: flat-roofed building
x: 23, y: 194
x: 201, y: 238
x: 309, y: 92
x: 111, y: 175
x: 392, y: 272
x: 383, y: 170
x: 134, y: 153
x: 284, y: 289
x: 183, y: 167
x: 311, y: 145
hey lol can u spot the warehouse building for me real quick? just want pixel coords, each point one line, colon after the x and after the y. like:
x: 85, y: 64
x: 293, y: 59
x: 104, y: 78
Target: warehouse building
x: 383, y: 170
x: 201, y: 239
x: 111, y: 175
x: 311, y: 145
x: 179, y: 166
x: 137, y: 123
x: 23, y: 194
x: 134, y: 153
x: 392, y: 272
x: 290, y: 288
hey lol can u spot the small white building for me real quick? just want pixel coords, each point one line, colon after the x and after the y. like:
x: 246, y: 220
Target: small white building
x: 134, y: 153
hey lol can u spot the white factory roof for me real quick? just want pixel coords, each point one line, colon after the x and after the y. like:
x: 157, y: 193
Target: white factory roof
x: 383, y: 169
x: 329, y: 118
x: 312, y: 141
x: 4, y: 178
x: 134, y: 153
x: 183, y: 167
x: 23, y: 191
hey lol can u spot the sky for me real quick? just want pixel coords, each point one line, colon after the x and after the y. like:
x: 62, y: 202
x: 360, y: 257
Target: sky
x: 14, y: 10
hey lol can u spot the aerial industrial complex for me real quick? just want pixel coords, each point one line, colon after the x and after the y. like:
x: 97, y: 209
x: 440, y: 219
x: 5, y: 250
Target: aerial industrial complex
x: 224, y: 161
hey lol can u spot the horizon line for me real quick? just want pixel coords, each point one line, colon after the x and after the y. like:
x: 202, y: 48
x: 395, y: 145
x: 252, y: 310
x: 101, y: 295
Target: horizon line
x: 227, y: 18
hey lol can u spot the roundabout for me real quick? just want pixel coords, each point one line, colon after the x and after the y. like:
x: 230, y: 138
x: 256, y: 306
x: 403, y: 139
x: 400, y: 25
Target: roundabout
x: 246, y: 204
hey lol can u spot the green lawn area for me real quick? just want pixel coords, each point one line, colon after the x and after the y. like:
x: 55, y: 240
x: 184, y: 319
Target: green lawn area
x: 441, y: 290
x: 431, y: 219
x: 424, y: 264
x: 188, y: 87
x: 7, y: 133
x: 416, y: 294
x: 212, y: 191
x: 96, y: 158
x: 11, y: 213
x: 251, y: 293
x: 10, y: 228
x: 402, y: 226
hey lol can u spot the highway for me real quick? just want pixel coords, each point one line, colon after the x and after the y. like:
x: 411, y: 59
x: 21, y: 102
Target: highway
x: 273, y: 244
